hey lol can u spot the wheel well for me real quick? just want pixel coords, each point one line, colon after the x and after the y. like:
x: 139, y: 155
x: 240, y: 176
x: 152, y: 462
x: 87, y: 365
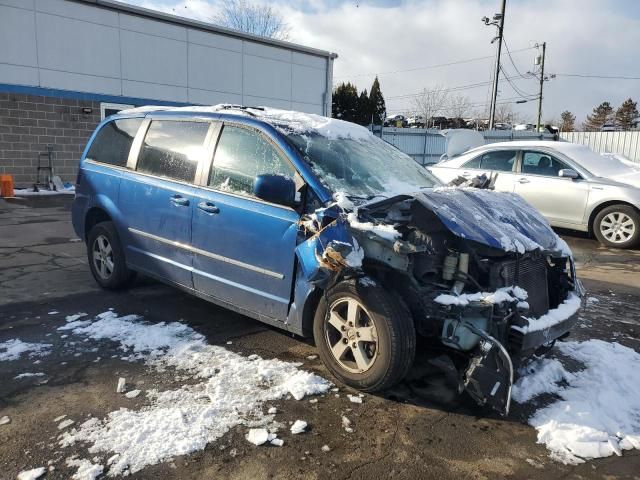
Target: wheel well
x: 94, y: 216
x: 309, y: 313
x: 604, y: 205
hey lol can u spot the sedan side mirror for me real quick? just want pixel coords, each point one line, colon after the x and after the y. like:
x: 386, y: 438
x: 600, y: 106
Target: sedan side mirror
x: 275, y: 189
x: 568, y: 173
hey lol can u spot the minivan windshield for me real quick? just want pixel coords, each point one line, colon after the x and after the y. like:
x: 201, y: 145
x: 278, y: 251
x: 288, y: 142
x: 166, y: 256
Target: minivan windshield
x: 365, y: 167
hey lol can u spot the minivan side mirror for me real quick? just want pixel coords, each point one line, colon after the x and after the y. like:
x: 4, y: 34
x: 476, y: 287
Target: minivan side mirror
x: 275, y: 189
x: 568, y: 173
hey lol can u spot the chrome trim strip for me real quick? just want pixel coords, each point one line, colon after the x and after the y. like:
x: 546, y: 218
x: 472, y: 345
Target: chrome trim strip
x: 207, y: 254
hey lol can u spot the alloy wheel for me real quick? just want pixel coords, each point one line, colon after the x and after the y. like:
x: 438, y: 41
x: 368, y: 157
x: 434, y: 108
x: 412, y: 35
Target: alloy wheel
x: 617, y: 227
x: 103, y: 257
x: 351, y: 335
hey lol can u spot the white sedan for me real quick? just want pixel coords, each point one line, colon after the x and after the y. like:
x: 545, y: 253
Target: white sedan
x: 572, y: 186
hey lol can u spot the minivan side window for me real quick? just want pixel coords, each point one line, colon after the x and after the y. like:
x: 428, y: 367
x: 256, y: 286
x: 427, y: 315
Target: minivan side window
x: 172, y: 149
x: 241, y: 155
x: 113, y: 142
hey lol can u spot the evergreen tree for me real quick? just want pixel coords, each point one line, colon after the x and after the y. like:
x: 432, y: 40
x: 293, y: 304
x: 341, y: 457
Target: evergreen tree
x: 627, y: 115
x: 377, y: 105
x: 345, y: 102
x: 364, y: 108
x: 601, y: 114
x: 568, y: 121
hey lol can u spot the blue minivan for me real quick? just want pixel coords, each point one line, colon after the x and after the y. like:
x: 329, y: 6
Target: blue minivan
x: 318, y: 227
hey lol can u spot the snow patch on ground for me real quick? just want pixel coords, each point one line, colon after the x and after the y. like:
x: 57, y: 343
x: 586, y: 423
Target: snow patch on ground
x: 86, y: 469
x: 232, y: 392
x: 31, y: 474
x: 598, y: 413
x: 28, y: 192
x: 28, y: 374
x: 14, y: 348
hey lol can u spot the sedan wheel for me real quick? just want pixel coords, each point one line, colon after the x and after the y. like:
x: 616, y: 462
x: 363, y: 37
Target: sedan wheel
x: 618, y: 226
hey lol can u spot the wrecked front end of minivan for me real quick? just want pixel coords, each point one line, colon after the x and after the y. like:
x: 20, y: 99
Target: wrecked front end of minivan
x: 481, y: 273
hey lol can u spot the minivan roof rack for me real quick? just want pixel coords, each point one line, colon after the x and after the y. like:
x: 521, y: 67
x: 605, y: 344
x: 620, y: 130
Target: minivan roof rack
x: 244, y: 108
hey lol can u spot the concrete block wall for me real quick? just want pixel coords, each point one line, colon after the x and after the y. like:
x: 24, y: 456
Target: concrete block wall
x: 28, y: 123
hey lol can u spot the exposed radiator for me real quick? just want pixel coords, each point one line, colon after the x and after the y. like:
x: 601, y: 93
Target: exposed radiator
x: 531, y: 275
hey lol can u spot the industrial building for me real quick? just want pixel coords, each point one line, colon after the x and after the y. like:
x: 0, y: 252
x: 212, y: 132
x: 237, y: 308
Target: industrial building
x: 66, y: 64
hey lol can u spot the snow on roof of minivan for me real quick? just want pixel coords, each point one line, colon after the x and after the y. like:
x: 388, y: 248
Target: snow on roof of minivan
x: 295, y: 122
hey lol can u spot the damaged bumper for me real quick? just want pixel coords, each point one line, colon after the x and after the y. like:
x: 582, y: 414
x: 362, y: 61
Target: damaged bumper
x: 489, y: 375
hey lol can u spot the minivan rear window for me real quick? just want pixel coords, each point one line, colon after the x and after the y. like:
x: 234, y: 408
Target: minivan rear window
x: 172, y: 149
x: 113, y: 141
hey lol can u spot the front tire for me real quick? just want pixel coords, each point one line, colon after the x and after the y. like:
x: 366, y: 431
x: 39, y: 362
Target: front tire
x: 364, y: 335
x: 106, y: 257
x: 617, y: 226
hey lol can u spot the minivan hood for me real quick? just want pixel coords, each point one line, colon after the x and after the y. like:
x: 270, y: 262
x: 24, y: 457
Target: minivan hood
x: 500, y: 220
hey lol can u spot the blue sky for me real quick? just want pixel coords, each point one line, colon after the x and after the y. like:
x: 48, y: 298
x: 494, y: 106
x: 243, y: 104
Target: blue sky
x: 398, y: 39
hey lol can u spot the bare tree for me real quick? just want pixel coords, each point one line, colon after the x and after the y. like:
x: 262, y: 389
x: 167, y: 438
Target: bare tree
x: 505, y: 114
x: 459, y: 106
x: 431, y: 102
x: 253, y: 18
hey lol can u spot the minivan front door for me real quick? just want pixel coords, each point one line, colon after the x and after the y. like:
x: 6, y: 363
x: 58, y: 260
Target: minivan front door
x: 156, y: 200
x: 244, y: 248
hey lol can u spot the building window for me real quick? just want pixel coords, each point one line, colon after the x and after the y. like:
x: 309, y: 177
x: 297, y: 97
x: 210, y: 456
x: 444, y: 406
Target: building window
x: 107, y: 109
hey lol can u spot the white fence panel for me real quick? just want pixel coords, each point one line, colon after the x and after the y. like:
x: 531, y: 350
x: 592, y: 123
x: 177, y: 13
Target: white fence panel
x: 624, y: 143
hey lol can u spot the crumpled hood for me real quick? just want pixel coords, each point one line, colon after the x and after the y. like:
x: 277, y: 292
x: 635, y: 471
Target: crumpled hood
x: 501, y: 220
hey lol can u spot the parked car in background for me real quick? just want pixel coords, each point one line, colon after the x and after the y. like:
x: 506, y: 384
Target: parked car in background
x: 316, y: 226
x: 399, y: 121
x: 572, y: 186
x: 525, y: 127
x: 416, y: 121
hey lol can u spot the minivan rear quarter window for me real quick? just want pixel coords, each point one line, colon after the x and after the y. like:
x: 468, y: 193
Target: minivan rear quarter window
x: 172, y: 149
x: 113, y: 142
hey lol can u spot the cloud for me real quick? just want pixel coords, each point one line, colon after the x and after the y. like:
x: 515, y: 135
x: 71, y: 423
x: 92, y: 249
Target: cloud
x: 583, y: 36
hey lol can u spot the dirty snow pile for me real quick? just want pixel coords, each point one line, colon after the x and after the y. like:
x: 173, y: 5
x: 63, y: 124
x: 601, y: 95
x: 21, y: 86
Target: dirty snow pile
x: 14, y: 348
x: 598, y: 413
x: 232, y: 391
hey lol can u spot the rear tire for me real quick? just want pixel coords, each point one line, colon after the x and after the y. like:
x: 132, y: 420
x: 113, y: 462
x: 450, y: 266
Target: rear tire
x: 617, y: 226
x: 106, y: 257
x: 364, y: 335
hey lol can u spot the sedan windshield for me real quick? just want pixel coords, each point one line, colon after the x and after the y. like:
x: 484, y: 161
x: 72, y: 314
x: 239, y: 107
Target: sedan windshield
x: 365, y: 167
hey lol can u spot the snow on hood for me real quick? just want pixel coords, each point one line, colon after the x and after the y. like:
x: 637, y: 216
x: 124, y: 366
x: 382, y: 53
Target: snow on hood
x: 497, y: 219
x: 296, y: 122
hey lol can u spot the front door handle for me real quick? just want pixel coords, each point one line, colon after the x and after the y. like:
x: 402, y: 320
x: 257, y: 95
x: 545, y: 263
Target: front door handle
x: 180, y: 201
x: 208, y: 207
x: 523, y: 180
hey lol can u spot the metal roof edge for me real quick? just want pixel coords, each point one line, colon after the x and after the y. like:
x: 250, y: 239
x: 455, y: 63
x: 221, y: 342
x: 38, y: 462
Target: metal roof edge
x: 187, y: 22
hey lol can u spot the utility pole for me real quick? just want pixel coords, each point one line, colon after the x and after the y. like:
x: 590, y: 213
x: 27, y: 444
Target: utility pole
x: 544, y: 50
x: 498, y: 21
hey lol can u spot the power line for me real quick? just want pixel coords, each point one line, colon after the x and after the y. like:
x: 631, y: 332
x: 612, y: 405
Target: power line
x: 511, y: 59
x: 503, y: 101
x: 608, y: 77
x: 516, y: 89
x: 428, y: 67
x: 451, y: 89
